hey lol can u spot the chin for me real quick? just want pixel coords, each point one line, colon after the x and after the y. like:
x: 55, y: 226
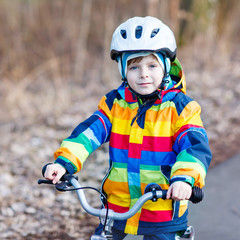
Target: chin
x: 146, y: 93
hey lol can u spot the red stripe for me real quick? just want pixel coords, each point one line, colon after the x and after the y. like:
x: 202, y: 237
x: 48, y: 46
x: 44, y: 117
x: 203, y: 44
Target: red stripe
x: 103, y: 123
x: 157, y: 144
x: 119, y: 141
x: 117, y: 208
x: 146, y: 215
x: 129, y: 96
x: 156, y: 216
x: 153, y: 144
x: 134, y: 150
x: 100, y: 110
x: 184, y: 128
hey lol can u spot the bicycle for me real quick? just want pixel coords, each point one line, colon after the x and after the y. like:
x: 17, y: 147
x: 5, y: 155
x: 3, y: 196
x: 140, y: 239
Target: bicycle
x: 107, y: 216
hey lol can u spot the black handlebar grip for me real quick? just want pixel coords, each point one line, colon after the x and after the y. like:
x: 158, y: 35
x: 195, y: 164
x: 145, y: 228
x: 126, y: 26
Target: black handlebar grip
x: 44, y: 169
x: 197, y: 195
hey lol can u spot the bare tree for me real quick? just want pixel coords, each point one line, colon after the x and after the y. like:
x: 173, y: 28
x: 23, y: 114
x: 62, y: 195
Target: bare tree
x: 82, y: 39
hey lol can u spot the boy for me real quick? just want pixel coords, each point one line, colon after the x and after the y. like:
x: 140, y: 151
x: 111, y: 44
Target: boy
x: 154, y: 131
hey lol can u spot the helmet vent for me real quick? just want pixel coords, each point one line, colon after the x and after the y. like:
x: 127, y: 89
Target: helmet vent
x: 154, y: 32
x: 123, y: 33
x: 138, y: 32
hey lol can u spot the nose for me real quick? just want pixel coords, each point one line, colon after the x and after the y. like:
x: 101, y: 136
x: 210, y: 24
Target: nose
x: 144, y: 73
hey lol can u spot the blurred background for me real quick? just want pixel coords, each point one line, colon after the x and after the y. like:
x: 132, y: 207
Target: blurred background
x: 54, y: 68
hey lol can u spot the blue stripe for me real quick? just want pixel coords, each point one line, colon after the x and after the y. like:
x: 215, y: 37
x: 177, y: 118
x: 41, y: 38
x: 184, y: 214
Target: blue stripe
x: 200, y: 148
x: 181, y: 101
x: 83, y: 126
x: 133, y: 165
x: 158, y: 158
x: 184, y: 143
x: 110, y: 97
x: 132, y: 177
x: 118, y: 155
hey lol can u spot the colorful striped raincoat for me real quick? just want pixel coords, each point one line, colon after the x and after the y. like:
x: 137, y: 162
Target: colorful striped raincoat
x: 154, y: 142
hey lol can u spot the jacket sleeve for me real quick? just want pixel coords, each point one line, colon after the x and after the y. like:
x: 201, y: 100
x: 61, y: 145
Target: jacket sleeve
x: 192, y: 147
x: 85, y: 138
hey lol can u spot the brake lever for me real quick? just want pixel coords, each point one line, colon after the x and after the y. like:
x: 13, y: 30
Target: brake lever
x: 64, y: 183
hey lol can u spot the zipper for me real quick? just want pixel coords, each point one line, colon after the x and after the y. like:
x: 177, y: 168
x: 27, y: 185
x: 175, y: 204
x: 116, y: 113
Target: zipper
x: 141, y: 106
x: 103, y: 181
x: 168, y: 181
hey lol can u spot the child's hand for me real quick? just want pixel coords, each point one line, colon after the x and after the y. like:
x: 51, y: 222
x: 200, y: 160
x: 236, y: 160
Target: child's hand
x: 54, y: 172
x: 179, y: 191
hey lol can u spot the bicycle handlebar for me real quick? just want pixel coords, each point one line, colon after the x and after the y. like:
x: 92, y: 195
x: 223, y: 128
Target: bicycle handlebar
x: 152, y: 192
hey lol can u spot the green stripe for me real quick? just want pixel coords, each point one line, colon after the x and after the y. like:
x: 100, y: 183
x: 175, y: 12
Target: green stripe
x: 120, y: 165
x: 185, y: 160
x: 152, y: 176
x: 186, y: 157
x: 149, y: 167
x: 118, y: 175
x: 76, y: 149
x: 122, y: 103
x: 162, y: 106
x: 135, y: 192
x: 175, y: 69
x: 81, y: 138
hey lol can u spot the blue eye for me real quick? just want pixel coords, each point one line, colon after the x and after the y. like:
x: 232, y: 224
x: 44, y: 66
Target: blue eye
x: 133, y: 68
x: 152, y: 66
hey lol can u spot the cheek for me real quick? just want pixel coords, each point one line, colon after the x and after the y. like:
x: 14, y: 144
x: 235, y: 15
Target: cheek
x: 131, y: 77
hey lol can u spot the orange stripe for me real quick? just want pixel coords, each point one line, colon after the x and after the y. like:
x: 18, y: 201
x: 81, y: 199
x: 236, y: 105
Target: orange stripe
x: 115, y: 188
x: 103, y: 105
x: 132, y: 224
x: 163, y: 186
x: 168, y: 114
x: 124, y: 113
x: 67, y: 154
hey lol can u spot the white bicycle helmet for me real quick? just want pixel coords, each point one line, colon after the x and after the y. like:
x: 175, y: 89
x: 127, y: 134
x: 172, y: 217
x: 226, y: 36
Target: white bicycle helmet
x: 143, y: 34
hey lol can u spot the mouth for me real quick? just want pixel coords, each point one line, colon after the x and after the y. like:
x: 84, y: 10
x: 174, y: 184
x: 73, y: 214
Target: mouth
x: 144, y: 84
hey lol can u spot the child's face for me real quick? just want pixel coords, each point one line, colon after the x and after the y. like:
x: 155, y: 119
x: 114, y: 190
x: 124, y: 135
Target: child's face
x: 145, y: 76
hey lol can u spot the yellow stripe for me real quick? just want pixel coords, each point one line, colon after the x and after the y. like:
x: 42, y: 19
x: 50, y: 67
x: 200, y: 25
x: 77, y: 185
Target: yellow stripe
x: 160, y: 205
x: 195, y: 120
x: 77, y: 149
x: 121, y: 126
x: 136, y: 134
x: 183, y: 207
x: 122, y: 200
x: 192, y: 108
x: 65, y: 152
x: 131, y: 230
x: 163, y: 129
